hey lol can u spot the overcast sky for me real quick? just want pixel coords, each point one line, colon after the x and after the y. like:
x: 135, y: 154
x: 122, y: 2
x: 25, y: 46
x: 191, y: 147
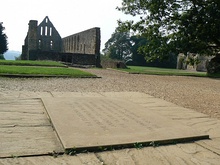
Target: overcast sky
x: 68, y: 17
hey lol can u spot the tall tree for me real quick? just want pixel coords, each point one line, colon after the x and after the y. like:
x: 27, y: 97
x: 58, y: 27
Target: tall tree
x: 3, y: 40
x: 137, y: 57
x: 174, y: 26
x: 118, y: 46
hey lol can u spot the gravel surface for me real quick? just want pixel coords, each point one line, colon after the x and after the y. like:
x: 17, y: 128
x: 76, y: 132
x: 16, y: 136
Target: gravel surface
x: 199, y: 94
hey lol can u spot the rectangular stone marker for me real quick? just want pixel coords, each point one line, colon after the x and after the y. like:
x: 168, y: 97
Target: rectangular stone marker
x: 86, y: 122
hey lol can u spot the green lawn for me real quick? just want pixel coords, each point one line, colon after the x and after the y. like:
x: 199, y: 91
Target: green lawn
x: 31, y: 63
x: 42, y: 71
x: 162, y: 71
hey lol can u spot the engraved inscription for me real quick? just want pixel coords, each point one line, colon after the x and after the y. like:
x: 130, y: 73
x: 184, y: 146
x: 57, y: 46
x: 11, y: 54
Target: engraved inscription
x: 107, y: 114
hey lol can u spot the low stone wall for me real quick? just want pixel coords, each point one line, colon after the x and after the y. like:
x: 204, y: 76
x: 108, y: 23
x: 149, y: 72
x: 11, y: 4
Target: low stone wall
x: 44, y: 55
x: 113, y: 64
x: 72, y: 58
x: 80, y: 59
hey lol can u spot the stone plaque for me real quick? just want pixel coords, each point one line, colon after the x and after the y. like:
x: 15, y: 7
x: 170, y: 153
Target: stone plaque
x: 86, y: 122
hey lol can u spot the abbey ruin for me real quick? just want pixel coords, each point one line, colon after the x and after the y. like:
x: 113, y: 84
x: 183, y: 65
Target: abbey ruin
x: 43, y: 42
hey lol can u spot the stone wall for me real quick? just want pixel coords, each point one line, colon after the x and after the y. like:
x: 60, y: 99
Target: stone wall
x: 193, y: 61
x: 78, y: 59
x: 70, y: 58
x: 86, y: 42
x: 48, y: 37
x: 43, y: 42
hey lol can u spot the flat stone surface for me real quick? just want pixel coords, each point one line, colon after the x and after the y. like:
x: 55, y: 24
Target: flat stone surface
x: 23, y: 94
x: 25, y: 129
x: 180, y: 154
x: 88, y: 122
x: 81, y: 159
x: 75, y: 94
x: 212, y: 145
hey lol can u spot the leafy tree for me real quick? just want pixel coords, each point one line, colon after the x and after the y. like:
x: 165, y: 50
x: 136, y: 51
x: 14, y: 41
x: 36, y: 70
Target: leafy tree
x: 118, y: 46
x: 2, y: 57
x: 3, y: 40
x: 174, y: 26
x: 137, y: 56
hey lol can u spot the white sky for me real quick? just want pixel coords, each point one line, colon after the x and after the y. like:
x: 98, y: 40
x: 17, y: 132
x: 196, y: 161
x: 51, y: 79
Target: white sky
x: 68, y: 17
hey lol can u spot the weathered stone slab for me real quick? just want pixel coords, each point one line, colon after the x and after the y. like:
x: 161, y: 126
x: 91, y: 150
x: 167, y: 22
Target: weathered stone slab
x: 25, y: 129
x: 87, y: 123
x: 206, y: 125
x: 139, y: 98
x: 176, y: 112
x: 132, y: 95
x: 22, y: 94
x: 181, y: 154
x: 75, y: 94
x: 81, y: 159
x: 212, y: 145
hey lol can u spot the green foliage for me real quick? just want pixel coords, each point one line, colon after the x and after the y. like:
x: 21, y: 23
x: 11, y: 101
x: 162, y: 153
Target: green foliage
x: 118, y: 46
x: 123, y: 46
x: 137, y: 56
x: 174, y: 26
x: 3, y: 40
x: 138, y: 145
x: 2, y: 57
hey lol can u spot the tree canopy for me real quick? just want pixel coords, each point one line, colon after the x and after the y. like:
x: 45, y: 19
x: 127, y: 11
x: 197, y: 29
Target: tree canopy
x: 3, y: 40
x: 118, y: 46
x: 125, y: 47
x: 174, y: 26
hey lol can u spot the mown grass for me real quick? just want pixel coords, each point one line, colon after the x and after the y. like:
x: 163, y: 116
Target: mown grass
x: 162, y: 71
x: 31, y: 63
x: 42, y: 71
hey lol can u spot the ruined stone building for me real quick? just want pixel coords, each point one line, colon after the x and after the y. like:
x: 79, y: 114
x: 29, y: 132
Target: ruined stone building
x: 43, y: 42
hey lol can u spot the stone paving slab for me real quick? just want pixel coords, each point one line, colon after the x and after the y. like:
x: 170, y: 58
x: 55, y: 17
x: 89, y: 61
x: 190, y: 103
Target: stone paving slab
x: 82, y: 159
x: 207, y: 125
x: 127, y: 95
x: 176, y: 112
x: 23, y: 94
x: 88, y: 122
x: 212, y: 145
x: 75, y: 94
x: 139, y: 98
x: 199, y: 152
x: 25, y: 129
x: 181, y: 154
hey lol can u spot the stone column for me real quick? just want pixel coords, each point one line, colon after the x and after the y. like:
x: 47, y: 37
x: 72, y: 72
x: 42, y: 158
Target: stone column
x: 32, y: 37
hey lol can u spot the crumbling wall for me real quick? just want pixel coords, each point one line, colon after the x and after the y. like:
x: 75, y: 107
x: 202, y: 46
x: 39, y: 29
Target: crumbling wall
x: 193, y: 61
x: 43, y: 42
x: 48, y: 38
x: 86, y: 42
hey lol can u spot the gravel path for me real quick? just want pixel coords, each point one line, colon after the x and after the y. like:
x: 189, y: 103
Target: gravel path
x: 200, y: 94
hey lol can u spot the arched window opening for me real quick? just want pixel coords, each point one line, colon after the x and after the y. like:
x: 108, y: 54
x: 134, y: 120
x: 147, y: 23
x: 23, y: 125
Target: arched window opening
x: 51, y: 45
x: 50, y: 31
x: 45, y: 30
x: 39, y: 44
x: 41, y: 30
